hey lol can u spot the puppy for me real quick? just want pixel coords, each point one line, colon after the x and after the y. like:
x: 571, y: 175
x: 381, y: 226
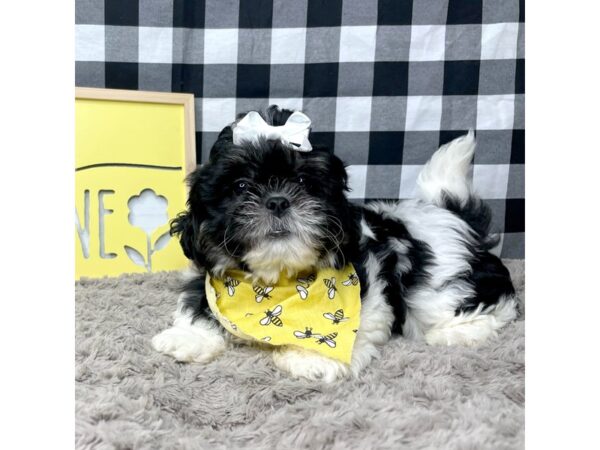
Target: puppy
x: 424, y: 265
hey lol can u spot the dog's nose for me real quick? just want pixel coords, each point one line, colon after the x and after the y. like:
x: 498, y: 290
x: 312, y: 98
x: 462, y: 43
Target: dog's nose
x: 278, y: 205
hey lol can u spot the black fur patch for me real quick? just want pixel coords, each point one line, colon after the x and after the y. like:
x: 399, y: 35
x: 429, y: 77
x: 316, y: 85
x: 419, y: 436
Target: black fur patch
x: 478, y: 216
x: 397, y: 282
x: 491, y: 280
x: 489, y: 277
x: 194, y: 299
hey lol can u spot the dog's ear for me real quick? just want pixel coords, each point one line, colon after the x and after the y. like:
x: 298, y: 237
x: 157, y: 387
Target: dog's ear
x: 186, y: 228
x: 337, y: 169
x: 187, y: 224
x: 223, y: 143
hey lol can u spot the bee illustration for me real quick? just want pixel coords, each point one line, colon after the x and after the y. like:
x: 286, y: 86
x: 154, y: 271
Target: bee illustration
x: 272, y: 317
x: 307, y: 334
x: 329, y: 340
x: 336, y: 317
x: 261, y: 293
x: 304, y: 284
x: 302, y: 292
x: 331, y: 289
x: 352, y: 280
x: 230, y: 284
x: 308, y: 280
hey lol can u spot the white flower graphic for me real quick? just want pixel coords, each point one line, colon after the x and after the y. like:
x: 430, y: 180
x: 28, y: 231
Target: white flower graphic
x: 148, y: 211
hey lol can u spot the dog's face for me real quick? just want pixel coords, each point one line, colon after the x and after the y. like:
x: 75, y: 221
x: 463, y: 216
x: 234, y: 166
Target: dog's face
x: 267, y: 208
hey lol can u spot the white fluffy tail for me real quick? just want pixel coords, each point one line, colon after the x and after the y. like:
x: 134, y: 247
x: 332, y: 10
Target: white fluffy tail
x: 448, y: 171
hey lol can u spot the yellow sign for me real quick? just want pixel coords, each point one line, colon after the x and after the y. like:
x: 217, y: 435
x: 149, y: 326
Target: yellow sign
x: 132, y: 152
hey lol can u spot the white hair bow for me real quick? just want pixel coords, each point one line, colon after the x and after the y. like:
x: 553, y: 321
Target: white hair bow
x: 295, y: 131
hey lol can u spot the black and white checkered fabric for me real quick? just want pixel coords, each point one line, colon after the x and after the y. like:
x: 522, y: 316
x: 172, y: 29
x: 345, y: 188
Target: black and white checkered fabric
x: 384, y: 82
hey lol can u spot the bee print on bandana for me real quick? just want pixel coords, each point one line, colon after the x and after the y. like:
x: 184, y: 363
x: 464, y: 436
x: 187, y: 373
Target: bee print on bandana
x: 304, y: 284
x: 272, y: 317
x: 331, y: 289
x: 336, y: 317
x: 230, y: 284
x: 307, y: 334
x: 262, y: 293
x: 329, y: 340
x: 352, y: 280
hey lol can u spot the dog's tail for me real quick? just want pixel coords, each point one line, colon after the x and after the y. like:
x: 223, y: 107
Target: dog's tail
x: 445, y: 181
x: 447, y: 172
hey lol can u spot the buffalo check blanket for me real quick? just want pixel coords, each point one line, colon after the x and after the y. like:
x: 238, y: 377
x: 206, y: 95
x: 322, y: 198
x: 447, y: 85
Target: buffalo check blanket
x: 384, y: 82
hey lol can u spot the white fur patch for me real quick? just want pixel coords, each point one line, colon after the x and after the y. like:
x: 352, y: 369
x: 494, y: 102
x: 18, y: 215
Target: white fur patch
x: 475, y: 327
x: 268, y: 259
x: 200, y: 341
x: 301, y: 363
x: 189, y: 273
x: 366, y: 231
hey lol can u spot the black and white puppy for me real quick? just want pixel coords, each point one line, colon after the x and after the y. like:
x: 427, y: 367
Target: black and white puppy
x: 425, y: 269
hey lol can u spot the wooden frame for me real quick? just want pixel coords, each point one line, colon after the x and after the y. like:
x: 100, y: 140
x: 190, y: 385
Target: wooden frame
x: 187, y: 100
x: 131, y: 161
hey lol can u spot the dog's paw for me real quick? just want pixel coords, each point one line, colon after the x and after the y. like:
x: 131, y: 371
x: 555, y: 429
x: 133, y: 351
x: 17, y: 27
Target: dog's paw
x: 187, y: 345
x: 312, y: 366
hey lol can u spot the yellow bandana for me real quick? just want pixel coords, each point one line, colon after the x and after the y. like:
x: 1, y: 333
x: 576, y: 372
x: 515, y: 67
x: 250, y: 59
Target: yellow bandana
x: 318, y: 311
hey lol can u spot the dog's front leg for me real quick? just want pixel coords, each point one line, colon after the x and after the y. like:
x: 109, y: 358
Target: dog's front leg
x: 190, y: 340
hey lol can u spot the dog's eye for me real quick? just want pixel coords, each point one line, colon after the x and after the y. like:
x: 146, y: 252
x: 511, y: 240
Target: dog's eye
x: 240, y: 186
x: 304, y: 182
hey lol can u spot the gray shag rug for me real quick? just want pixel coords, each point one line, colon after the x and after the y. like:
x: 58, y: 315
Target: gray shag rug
x: 414, y: 396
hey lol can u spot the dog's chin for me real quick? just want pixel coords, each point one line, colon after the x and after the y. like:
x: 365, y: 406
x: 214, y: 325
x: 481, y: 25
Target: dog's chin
x: 279, y: 251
